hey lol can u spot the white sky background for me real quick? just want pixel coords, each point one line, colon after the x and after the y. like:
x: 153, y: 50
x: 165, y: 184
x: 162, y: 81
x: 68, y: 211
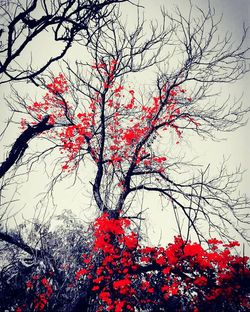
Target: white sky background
x: 237, y: 144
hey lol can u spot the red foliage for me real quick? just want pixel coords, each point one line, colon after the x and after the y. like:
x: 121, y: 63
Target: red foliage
x: 41, y: 298
x: 122, y: 275
x: 129, y: 273
x: 122, y: 134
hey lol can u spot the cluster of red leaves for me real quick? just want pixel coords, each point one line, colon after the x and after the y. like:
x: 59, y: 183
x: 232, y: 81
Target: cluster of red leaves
x: 42, y: 298
x: 112, y: 258
x: 53, y: 103
x: 132, y: 123
x: 39, y: 288
x: 72, y: 129
x: 125, y: 275
x: 127, y: 122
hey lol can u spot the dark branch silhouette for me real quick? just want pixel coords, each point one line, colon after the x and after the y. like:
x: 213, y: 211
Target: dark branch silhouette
x: 21, y: 144
x: 18, y: 242
x: 64, y: 19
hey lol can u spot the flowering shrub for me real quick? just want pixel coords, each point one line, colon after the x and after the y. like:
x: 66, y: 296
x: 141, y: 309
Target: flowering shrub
x: 130, y: 276
x: 121, y: 275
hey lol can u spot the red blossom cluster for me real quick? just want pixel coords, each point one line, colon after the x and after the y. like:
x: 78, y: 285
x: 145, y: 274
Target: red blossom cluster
x: 110, y: 265
x: 127, y: 122
x: 42, y: 298
x: 126, y: 275
x: 53, y: 103
x: 40, y: 289
x: 122, y: 275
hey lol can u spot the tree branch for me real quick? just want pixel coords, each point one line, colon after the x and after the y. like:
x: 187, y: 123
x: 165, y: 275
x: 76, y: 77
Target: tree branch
x: 20, y: 244
x: 21, y: 144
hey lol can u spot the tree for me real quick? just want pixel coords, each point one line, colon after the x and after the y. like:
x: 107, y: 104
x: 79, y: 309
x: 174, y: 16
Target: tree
x: 91, y: 116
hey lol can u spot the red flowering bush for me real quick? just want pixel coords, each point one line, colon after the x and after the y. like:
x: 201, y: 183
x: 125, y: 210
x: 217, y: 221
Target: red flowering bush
x: 121, y: 275
x: 182, y: 275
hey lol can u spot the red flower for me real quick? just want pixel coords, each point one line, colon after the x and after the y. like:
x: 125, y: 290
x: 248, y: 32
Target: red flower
x: 232, y: 244
x: 80, y: 273
x: 29, y: 284
x: 193, y: 250
x: 105, y: 296
x: 200, y: 281
x: 95, y: 288
x: 214, y: 241
x: 123, y: 286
